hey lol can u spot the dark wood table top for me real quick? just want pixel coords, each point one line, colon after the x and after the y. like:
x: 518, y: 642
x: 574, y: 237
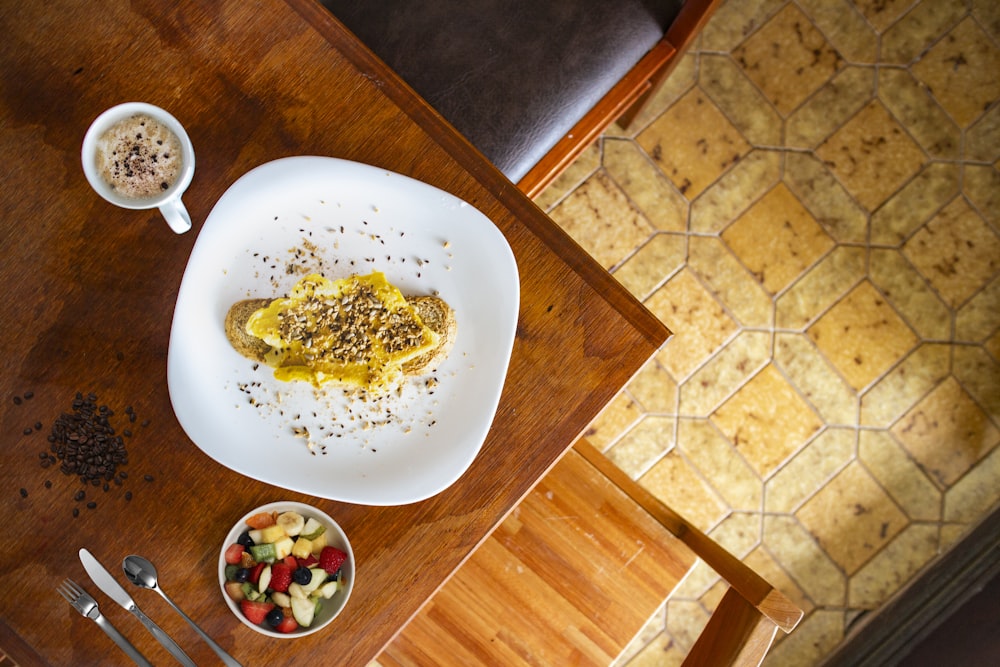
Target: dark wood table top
x: 89, y: 292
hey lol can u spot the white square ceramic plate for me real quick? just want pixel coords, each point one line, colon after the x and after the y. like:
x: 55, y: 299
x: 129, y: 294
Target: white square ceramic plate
x: 335, y: 217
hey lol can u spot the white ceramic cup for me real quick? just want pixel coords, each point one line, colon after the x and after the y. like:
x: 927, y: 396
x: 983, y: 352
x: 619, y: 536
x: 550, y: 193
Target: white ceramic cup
x: 169, y: 202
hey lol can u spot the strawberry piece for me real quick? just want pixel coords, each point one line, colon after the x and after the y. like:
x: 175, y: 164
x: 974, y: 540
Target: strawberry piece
x: 291, y: 562
x: 256, y: 612
x: 308, y: 562
x: 288, y: 624
x: 331, y: 558
x: 234, y: 554
x: 255, y: 572
x: 281, y: 577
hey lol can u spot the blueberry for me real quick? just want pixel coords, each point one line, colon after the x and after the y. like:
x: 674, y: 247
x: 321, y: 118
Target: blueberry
x: 275, y: 617
x: 302, y: 575
x: 245, y: 540
x: 241, y: 575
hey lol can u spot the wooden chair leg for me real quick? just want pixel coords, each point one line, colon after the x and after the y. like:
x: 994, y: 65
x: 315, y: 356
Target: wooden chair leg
x: 737, y: 635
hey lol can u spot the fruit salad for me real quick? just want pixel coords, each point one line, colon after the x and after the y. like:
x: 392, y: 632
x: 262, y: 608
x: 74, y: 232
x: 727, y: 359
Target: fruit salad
x: 281, y: 570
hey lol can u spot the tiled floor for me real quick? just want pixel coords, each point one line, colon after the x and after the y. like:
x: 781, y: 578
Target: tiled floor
x: 812, y: 204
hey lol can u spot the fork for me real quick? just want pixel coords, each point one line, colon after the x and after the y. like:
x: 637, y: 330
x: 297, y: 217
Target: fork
x: 87, y: 606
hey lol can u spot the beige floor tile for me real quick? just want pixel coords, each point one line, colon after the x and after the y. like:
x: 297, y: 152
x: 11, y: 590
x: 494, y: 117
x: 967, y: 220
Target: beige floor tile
x: 578, y: 172
x: 956, y: 251
x: 651, y: 265
x: 739, y: 534
x: 676, y: 483
x: 982, y: 140
x: 893, y: 567
x: 767, y: 421
x: 830, y: 107
x: 862, y: 336
x: 960, y: 71
x: 846, y: 29
x: 946, y: 415
x: 906, y: 290
x: 728, y: 473
x: 646, y: 186
x: 809, y: 470
x: 979, y: 374
x: 919, y: 113
x: 700, y: 325
x: 601, y: 219
x: 777, y: 239
x: 740, y: 100
x: 809, y: 565
x: 661, y: 652
x: 992, y: 346
x: 681, y: 80
x: 852, y: 517
x: 616, y: 418
x: 730, y: 282
x: 824, y: 389
x: 976, y: 494
x: 902, y: 387
x: 788, y: 58
x: 872, y: 155
x: 736, y: 191
x: 643, y: 444
x: 899, y: 474
x: 825, y: 198
x: 685, y: 621
x: 915, y: 204
x: 693, y: 159
x: 882, y: 13
x: 821, y: 287
x: 764, y: 564
x: 724, y: 374
x: 733, y: 21
x: 815, y: 637
x: 654, y: 389
x: 982, y: 186
x: 987, y: 13
x: 903, y: 42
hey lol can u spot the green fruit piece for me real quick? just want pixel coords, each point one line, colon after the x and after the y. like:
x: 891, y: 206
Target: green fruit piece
x: 231, y: 572
x: 263, y: 553
x: 312, y: 529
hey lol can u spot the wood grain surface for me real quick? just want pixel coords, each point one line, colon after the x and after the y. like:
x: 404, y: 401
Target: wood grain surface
x: 89, y: 291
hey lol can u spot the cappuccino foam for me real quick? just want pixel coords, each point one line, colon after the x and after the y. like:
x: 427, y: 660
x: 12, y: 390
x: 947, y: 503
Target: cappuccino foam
x: 139, y: 157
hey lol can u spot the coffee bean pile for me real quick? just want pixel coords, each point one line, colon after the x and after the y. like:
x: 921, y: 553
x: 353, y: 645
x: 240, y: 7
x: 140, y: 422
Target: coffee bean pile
x: 86, y: 443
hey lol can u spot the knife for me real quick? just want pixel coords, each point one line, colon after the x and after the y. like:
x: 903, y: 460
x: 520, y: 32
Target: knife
x: 114, y: 590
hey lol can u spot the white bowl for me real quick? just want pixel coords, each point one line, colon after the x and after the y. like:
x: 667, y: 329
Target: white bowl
x: 335, y: 537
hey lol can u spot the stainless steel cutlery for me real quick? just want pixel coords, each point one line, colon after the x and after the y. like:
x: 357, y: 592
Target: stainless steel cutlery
x: 87, y: 606
x: 114, y: 590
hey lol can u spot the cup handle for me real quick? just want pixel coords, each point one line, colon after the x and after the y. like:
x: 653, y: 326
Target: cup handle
x: 176, y: 215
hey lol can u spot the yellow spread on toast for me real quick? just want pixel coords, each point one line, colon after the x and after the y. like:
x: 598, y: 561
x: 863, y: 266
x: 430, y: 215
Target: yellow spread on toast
x: 357, y: 331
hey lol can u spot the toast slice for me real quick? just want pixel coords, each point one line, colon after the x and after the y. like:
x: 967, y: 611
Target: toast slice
x: 433, y: 311
x: 439, y: 317
x: 245, y: 343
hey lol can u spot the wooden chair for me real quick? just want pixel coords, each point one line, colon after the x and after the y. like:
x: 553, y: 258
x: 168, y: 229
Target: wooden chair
x: 530, y: 84
x: 573, y: 574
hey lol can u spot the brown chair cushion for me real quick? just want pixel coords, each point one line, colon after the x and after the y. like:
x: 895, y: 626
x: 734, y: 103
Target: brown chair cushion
x: 513, y: 76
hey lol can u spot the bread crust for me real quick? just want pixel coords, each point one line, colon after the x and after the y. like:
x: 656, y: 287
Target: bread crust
x: 246, y: 344
x: 433, y: 311
x: 439, y: 317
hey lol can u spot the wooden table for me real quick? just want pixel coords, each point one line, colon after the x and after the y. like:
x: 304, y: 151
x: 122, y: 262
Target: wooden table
x: 89, y: 291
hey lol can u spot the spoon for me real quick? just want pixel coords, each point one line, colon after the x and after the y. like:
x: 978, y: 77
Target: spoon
x: 141, y: 572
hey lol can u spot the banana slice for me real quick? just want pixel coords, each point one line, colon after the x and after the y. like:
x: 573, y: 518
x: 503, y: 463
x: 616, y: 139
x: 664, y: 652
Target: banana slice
x: 291, y: 522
